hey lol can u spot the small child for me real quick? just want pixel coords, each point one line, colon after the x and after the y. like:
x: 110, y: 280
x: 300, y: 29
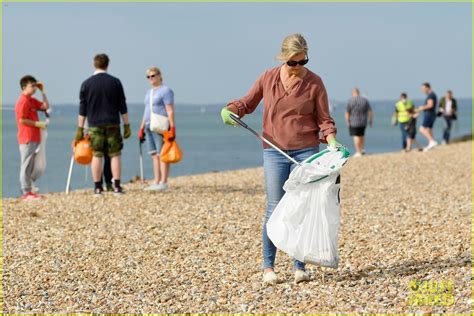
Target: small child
x: 29, y: 136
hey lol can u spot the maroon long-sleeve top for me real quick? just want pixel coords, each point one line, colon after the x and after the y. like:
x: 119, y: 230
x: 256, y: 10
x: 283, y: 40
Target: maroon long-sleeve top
x: 292, y: 120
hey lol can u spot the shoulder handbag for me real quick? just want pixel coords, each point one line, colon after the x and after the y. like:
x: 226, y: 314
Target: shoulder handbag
x: 158, y: 123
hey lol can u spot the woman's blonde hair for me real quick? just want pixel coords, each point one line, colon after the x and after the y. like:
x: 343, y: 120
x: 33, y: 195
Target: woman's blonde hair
x: 292, y: 45
x: 154, y: 70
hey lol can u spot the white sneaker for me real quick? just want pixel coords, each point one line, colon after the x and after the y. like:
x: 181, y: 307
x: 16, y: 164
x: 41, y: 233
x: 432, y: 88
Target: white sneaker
x: 270, y: 278
x: 153, y: 187
x: 431, y: 145
x: 162, y: 186
x: 357, y: 155
x: 301, y: 276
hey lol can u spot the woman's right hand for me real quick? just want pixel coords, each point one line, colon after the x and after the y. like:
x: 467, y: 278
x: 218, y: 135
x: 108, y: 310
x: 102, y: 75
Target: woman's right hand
x: 225, y: 114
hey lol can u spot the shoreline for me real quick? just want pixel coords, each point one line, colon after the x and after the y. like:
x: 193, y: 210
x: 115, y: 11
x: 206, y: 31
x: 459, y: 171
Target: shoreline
x: 135, y: 180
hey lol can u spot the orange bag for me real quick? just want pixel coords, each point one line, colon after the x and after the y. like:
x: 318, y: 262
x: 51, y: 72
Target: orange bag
x: 83, y: 152
x: 170, y: 152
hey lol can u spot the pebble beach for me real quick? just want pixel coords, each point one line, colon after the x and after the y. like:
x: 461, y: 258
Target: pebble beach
x: 197, y: 248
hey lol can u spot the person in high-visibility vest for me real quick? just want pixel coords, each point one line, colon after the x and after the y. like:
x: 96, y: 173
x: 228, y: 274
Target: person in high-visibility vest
x: 403, y: 113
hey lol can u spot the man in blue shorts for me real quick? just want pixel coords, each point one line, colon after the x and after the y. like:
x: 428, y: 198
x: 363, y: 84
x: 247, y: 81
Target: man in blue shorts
x: 429, y: 115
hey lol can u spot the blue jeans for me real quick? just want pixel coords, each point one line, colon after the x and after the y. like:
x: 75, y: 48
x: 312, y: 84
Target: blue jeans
x: 277, y: 169
x: 404, y: 134
x: 447, y: 128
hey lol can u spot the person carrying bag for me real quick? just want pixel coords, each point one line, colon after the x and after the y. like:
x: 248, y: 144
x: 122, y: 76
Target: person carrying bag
x: 158, y: 121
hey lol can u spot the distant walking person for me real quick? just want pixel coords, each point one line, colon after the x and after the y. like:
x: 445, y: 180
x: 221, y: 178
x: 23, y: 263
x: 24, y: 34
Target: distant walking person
x: 403, y: 110
x: 29, y: 136
x: 357, y: 112
x: 429, y: 115
x: 448, y: 107
x: 102, y: 102
x: 405, y: 116
x: 160, y: 100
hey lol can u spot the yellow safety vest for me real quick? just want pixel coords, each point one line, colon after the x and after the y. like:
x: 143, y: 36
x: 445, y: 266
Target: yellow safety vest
x: 403, y: 114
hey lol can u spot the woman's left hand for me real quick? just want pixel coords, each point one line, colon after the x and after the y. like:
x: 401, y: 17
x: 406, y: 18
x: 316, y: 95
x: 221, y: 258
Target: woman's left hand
x: 333, y: 143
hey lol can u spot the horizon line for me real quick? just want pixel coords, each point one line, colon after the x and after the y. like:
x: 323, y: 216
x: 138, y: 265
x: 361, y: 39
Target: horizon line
x: 66, y: 104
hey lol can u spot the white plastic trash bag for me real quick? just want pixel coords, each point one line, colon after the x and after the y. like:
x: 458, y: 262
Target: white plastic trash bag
x: 305, y: 223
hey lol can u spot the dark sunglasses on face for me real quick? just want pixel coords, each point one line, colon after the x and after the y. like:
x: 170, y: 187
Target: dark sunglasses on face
x: 151, y: 76
x: 293, y: 63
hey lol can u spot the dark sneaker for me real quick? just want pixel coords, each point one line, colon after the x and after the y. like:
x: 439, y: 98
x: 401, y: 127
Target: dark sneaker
x: 109, y: 187
x: 118, y: 191
x: 98, y: 191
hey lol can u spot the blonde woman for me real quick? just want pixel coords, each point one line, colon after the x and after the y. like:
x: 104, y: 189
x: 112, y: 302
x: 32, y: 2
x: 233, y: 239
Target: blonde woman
x: 295, y: 118
x: 162, y: 103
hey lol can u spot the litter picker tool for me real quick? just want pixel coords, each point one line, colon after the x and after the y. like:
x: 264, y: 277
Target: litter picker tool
x: 236, y: 119
x: 141, y: 162
x: 68, y: 182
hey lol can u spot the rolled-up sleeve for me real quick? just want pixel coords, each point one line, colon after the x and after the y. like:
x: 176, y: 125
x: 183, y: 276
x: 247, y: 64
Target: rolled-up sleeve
x: 250, y: 101
x: 322, y: 117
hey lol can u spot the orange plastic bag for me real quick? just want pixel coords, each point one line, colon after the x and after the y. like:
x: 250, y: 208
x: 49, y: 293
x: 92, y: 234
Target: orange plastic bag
x: 170, y: 152
x: 83, y: 152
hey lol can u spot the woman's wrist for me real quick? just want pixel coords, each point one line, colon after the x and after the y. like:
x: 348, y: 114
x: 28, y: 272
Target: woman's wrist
x: 233, y: 108
x: 330, y: 137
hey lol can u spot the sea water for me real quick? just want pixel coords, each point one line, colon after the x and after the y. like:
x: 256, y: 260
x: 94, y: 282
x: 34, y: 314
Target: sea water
x: 208, y: 145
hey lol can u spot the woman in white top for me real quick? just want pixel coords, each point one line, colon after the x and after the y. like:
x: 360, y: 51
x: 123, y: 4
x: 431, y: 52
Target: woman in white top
x: 161, y: 98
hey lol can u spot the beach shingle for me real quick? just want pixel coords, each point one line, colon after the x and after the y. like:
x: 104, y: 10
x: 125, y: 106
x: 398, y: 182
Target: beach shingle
x: 197, y: 248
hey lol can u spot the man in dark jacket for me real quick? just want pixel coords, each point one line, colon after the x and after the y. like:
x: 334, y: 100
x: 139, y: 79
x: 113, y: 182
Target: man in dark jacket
x: 102, y: 102
x: 448, y: 108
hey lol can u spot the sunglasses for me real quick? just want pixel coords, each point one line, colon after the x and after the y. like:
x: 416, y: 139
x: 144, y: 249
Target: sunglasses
x: 151, y: 76
x: 293, y: 63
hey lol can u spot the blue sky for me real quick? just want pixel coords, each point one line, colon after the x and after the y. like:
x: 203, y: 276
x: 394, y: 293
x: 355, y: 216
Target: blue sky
x: 211, y: 53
